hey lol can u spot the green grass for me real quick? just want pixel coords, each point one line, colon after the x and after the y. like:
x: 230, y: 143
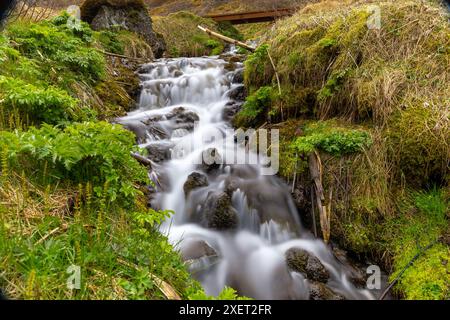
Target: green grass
x: 120, y: 253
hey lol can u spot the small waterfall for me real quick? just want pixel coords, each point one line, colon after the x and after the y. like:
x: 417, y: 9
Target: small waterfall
x: 232, y: 224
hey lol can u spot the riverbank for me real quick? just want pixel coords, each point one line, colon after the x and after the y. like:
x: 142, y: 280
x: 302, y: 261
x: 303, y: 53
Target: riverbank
x: 72, y: 199
x: 374, y: 104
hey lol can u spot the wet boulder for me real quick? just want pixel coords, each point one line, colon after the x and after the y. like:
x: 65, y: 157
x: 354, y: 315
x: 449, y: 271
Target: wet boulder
x: 319, y: 291
x: 239, y: 93
x: 194, y: 181
x: 196, y: 249
x: 238, y: 76
x: 305, y: 263
x: 356, y: 271
x: 156, y: 131
x: 138, y: 128
x: 130, y: 15
x: 231, y: 109
x: 218, y: 212
x: 231, y: 185
x: 160, y: 151
x: 183, y: 118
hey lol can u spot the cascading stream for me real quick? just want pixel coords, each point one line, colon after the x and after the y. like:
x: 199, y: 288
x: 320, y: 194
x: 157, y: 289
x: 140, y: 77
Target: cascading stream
x: 232, y: 224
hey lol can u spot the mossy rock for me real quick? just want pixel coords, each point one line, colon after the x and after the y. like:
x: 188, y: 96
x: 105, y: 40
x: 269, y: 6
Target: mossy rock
x: 90, y: 8
x: 131, y: 15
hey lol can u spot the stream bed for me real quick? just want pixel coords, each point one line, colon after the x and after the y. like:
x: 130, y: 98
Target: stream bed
x: 235, y: 222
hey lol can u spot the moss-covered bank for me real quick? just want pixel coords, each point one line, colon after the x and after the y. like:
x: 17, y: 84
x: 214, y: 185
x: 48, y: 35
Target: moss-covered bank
x: 184, y: 39
x: 374, y: 101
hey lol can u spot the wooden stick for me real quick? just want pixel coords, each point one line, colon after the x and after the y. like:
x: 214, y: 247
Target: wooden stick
x: 295, y: 173
x: 162, y: 285
x: 313, y: 212
x: 316, y: 171
x: 276, y: 73
x: 121, y: 56
x: 227, y: 39
x: 142, y: 160
x: 410, y: 263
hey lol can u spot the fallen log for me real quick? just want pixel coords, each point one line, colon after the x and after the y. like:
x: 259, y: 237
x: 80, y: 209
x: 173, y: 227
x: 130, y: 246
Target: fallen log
x: 227, y: 39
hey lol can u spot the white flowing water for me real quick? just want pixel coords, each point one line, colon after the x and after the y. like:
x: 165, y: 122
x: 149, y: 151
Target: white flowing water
x: 181, y: 111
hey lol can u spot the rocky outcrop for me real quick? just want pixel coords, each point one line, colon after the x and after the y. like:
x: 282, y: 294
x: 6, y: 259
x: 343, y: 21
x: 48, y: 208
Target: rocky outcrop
x: 194, y: 181
x: 305, y: 263
x: 218, y: 213
x: 130, y: 15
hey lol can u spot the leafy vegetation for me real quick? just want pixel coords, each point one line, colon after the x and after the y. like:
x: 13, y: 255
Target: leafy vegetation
x: 226, y: 294
x: 332, y: 140
x: 254, y: 108
x: 41, y: 104
x: 94, y: 152
x: 423, y: 224
x: 62, y: 46
x: 71, y: 194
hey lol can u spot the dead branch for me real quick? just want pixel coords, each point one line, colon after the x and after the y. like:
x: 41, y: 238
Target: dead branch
x: 142, y: 160
x: 227, y: 39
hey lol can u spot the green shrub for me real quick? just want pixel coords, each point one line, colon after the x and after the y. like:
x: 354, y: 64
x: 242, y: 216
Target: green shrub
x: 254, y: 108
x: 40, y: 104
x: 226, y: 294
x: 60, y: 48
x: 110, y: 41
x: 257, y: 70
x: 86, y: 152
x: 332, y: 140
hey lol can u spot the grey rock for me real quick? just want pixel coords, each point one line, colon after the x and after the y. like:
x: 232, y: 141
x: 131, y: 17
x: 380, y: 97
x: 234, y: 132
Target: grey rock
x: 231, y: 109
x: 197, y: 249
x: 238, y: 76
x: 194, y: 181
x: 182, y: 116
x: 130, y: 15
x: 239, y: 93
x: 303, y: 262
x: 159, y: 152
x: 319, y: 291
x: 218, y: 213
